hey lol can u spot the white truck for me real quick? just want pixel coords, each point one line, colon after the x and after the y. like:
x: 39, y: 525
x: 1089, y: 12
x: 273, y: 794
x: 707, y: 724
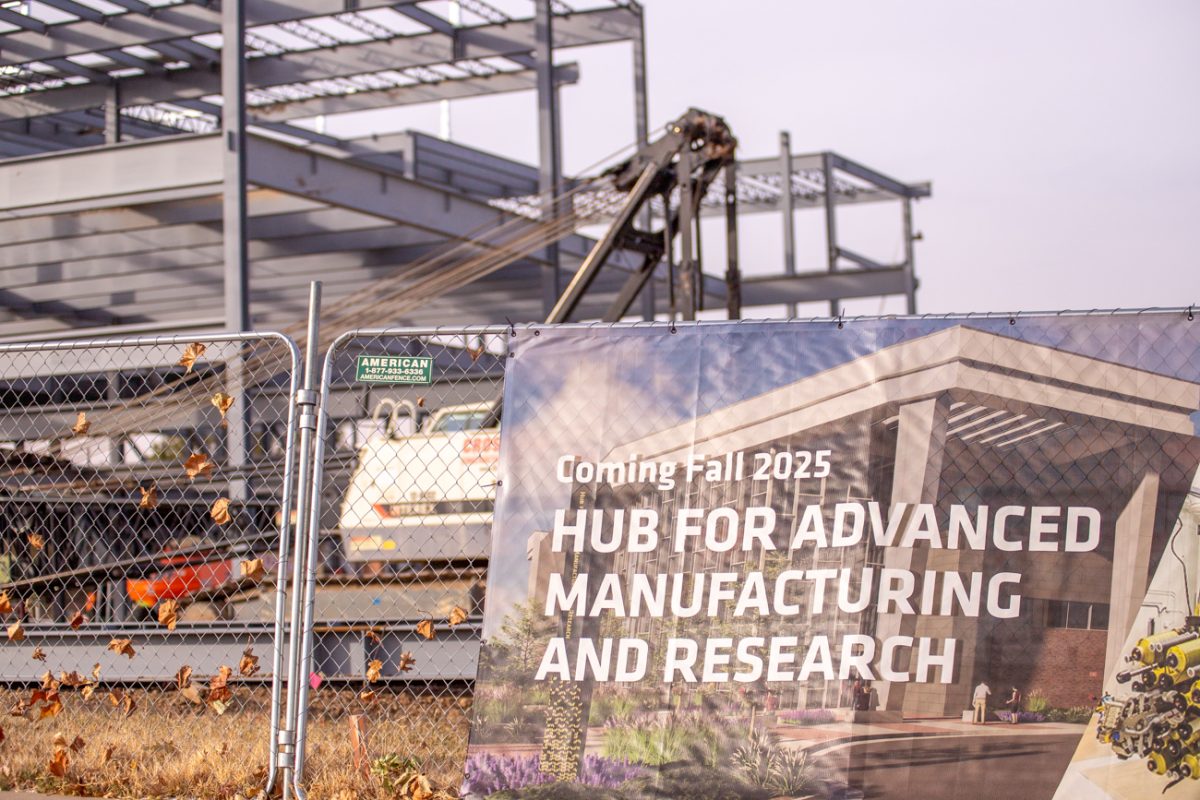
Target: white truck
x: 425, y: 494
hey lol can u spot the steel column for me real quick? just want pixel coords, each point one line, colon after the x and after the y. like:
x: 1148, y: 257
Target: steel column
x: 687, y: 258
x: 787, y: 206
x: 112, y: 114
x: 641, y: 126
x: 733, y: 270
x: 910, y: 277
x: 549, y: 155
x: 831, y: 245
x: 236, y: 288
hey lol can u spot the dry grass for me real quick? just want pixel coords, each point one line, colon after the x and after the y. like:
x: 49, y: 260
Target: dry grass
x: 169, y: 749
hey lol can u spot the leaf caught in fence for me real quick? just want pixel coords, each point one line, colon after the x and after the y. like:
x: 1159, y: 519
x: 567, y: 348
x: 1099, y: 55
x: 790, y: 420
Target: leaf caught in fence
x: 72, y: 679
x: 374, y: 671
x: 48, y: 683
x: 5, y: 603
x: 191, y: 694
x: 407, y: 661
x: 372, y: 636
x: 15, y: 632
x: 128, y: 706
x: 457, y: 616
x: 367, y: 696
x: 218, y: 689
x: 87, y: 691
x: 474, y: 352
x: 96, y: 671
x: 253, y: 569
x: 168, y: 614
x: 52, y: 707
x: 123, y: 647
x: 80, y: 428
x: 36, y: 541
x: 77, y: 744
x: 198, y: 464
x: 115, y: 696
x: 183, y: 678
x: 190, y: 353
x: 107, y: 757
x: 58, y: 763
x: 76, y: 620
x: 38, y: 654
x: 220, y: 511
x: 223, y: 402
x: 426, y: 629
x: 248, y: 666
x: 149, y: 497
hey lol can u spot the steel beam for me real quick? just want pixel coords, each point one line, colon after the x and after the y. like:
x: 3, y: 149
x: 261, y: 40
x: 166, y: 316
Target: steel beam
x: 66, y: 312
x: 788, y: 209
x: 23, y: 21
x: 831, y: 245
x: 809, y: 287
x: 233, y: 129
x: 167, y: 23
x: 449, y: 89
x: 346, y: 60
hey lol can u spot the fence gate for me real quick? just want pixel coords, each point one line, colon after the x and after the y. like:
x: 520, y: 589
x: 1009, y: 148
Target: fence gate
x: 145, y: 507
x: 407, y: 446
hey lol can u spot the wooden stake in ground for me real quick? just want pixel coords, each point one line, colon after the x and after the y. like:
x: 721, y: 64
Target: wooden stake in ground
x: 358, y: 744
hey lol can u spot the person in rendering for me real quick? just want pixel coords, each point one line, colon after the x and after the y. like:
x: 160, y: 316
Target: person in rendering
x: 1014, y: 706
x: 979, y: 717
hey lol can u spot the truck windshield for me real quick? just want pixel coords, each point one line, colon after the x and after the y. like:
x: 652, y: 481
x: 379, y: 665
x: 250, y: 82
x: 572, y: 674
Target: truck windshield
x: 462, y: 421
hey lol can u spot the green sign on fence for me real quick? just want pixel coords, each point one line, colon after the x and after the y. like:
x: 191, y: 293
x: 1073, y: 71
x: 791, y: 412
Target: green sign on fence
x: 394, y: 369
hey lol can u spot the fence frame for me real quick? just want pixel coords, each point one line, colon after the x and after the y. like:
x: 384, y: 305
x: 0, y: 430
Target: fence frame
x: 289, y: 490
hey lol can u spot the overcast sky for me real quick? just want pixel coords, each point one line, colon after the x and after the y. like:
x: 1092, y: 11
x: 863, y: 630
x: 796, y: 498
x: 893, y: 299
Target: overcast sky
x: 1062, y: 139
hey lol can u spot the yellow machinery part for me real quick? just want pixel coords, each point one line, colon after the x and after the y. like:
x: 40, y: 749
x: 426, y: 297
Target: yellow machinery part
x: 1143, y: 651
x: 1191, y: 766
x: 1183, y: 656
x: 1157, y: 763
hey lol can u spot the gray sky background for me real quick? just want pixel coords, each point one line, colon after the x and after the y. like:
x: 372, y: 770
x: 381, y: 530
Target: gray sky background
x: 1061, y: 138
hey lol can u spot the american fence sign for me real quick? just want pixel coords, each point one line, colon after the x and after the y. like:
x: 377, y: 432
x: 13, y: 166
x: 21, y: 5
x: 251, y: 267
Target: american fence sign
x: 413, y: 370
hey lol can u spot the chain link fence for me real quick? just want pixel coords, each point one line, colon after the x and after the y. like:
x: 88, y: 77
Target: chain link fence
x: 145, y: 502
x: 408, y: 449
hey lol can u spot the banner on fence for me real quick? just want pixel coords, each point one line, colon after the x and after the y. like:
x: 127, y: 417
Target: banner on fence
x: 884, y: 559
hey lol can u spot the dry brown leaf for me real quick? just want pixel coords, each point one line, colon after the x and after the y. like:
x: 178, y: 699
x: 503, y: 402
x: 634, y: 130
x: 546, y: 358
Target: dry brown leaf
x: 253, y: 569
x: 220, y: 511
x: 183, y: 678
x: 197, y: 464
x: 72, y: 679
x: 123, y: 647
x: 191, y: 694
x: 218, y: 688
x: 48, y: 682
x: 223, y: 403
x: 58, y: 763
x: 80, y: 428
x: 60, y: 740
x: 128, y: 706
x: 149, y: 497
x: 457, y: 616
x: 36, y: 541
x: 20, y: 708
x: 5, y: 603
x: 372, y: 636
x: 52, y: 708
x: 107, y: 757
x: 168, y: 614
x: 367, y: 696
x: 374, y: 671
x: 15, y: 632
x: 407, y: 661
x: 425, y: 628
x: 1, y: 734
x: 87, y: 691
x: 76, y: 620
x: 190, y: 353
x: 248, y: 666
x: 96, y: 671
x: 115, y: 696
x: 475, y: 353
x: 219, y: 706
x: 38, y: 654
x: 77, y: 744
x: 420, y: 402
